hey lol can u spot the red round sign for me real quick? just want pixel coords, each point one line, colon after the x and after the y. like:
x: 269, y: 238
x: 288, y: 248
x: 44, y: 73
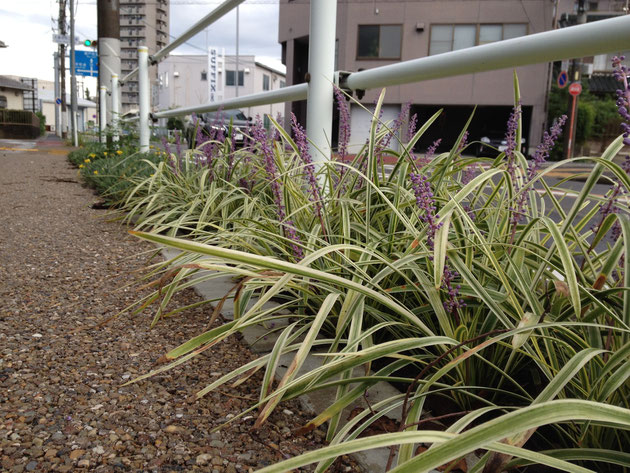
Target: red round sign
x: 575, y: 88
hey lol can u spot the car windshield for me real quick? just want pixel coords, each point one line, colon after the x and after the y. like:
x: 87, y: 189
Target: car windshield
x: 225, y: 115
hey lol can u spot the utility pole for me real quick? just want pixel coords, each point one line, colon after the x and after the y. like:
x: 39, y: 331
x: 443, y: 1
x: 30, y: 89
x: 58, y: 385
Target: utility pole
x: 73, y: 81
x: 575, y: 75
x: 237, y: 66
x: 108, y: 50
x: 57, y: 106
x: 62, y: 66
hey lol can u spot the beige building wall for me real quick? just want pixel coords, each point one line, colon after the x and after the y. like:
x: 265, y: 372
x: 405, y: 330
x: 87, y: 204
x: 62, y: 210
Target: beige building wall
x: 181, y: 82
x: 417, y: 18
x: 14, y: 97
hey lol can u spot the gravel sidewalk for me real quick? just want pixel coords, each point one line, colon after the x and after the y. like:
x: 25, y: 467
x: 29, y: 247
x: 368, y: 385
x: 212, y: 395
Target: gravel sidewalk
x: 64, y: 268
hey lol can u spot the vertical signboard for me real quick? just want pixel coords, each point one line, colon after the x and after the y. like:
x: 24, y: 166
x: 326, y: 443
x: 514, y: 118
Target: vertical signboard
x: 215, y: 74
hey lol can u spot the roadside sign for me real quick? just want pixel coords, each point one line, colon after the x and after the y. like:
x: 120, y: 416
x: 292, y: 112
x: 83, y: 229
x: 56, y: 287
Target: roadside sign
x: 86, y: 63
x: 58, y: 101
x: 64, y: 39
x: 563, y: 79
x: 575, y: 89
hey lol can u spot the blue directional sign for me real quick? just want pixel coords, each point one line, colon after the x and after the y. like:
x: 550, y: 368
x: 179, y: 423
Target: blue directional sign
x: 86, y: 63
x: 563, y: 79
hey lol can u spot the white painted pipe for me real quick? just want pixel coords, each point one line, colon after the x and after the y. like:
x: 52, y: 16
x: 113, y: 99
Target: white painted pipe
x: 321, y: 67
x: 115, y: 107
x: 210, y: 18
x: 108, y: 65
x: 102, y: 121
x: 590, y: 39
x: 129, y: 76
x: 286, y: 94
x: 143, y: 91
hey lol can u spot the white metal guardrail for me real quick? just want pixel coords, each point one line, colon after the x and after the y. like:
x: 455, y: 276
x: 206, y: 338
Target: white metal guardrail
x: 198, y: 27
x: 286, y: 94
x: 589, y: 39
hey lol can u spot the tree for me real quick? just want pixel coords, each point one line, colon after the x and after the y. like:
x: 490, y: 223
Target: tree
x: 87, y: 93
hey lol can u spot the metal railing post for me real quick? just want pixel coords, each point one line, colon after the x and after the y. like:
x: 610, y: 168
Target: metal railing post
x: 321, y: 67
x: 115, y: 107
x: 103, y: 113
x: 143, y: 90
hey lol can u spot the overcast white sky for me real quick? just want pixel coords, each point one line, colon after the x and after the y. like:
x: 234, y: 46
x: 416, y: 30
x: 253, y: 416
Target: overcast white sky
x: 26, y: 26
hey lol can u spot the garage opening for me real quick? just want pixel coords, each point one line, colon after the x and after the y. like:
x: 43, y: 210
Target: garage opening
x: 488, y: 121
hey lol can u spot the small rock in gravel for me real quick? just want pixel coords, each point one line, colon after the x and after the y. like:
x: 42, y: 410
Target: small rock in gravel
x: 50, y: 453
x: 203, y: 459
x: 83, y: 464
x: 30, y: 466
x: 99, y: 450
x: 74, y: 454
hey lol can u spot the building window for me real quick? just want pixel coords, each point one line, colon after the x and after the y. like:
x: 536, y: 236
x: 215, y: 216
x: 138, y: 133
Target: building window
x: 204, y: 75
x: 445, y: 38
x: 492, y: 33
x: 266, y: 82
x: 230, y: 78
x: 379, y: 42
x: 4, y: 103
x: 283, y: 84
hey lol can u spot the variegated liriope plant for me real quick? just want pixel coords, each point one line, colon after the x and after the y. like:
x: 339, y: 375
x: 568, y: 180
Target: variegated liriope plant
x: 447, y: 276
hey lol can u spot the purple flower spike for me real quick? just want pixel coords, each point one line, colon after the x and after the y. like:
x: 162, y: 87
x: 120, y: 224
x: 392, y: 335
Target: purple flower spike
x: 510, y: 138
x: 425, y: 202
x: 178, y: 144
x: 411, y: 129
x: 260, y: 136
x: 611, y: 205
x: 452, y: 302
x: 463, y: 143
x: 344, y: 124
x: 422, y: 161
x: 309, y: 168
x: 623, y: 96
x: 543, y: 149
x: 166, y: 145
x: 402, y: 118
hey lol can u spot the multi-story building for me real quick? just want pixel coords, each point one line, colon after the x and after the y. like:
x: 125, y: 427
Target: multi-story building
x: 142, y: 23
x: 375, y: 33
x: 183, y: 82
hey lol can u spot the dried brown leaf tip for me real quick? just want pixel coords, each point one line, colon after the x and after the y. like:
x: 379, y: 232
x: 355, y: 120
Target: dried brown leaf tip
x: 382, y: 425
x: 455, y: 466
x: 562, y: 288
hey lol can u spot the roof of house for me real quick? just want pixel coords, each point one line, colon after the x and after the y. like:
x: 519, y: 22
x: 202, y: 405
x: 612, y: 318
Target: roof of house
x: 603, y: 82
x: 13, y: 84
x: 48, y: 96
x: 270, y: 68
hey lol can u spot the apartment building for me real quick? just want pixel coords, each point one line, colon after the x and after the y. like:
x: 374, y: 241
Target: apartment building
x: 184, y: 81
x: 142, y: 23
x: 375, y: 33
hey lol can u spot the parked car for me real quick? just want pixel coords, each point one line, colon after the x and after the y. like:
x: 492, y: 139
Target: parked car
x: 215, y: 121
x: 494, y: 143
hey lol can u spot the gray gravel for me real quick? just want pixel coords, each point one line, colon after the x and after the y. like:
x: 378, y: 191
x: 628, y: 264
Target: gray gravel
x: 64, y: 267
